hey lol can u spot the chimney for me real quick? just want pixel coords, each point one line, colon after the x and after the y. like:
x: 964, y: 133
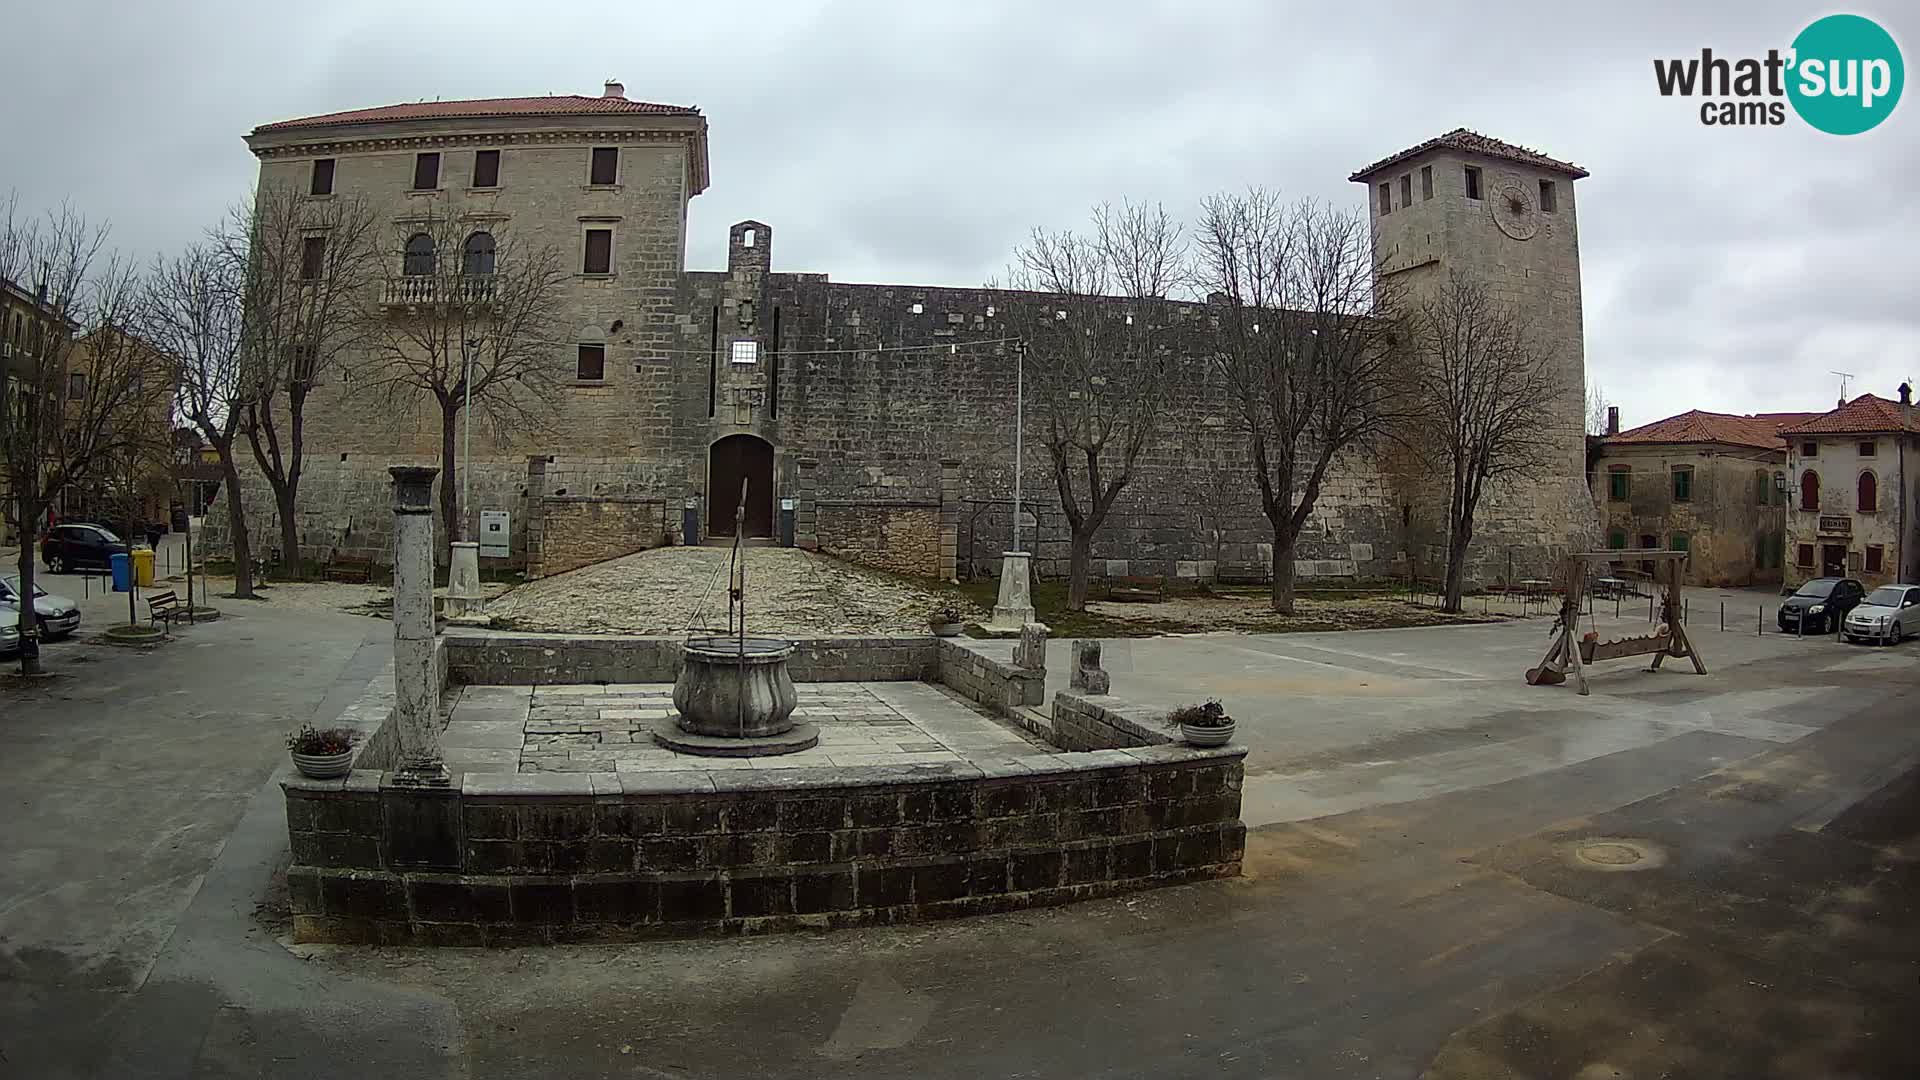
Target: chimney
x: 614, y: 90
x: 1613, y: 419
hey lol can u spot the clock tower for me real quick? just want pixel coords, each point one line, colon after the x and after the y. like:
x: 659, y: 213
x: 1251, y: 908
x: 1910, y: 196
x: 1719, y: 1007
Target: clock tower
x: 1505, y: 215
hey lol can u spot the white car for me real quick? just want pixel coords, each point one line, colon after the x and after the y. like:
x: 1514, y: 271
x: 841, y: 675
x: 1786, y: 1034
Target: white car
x: 1888, y: 614
x: 59, y: 616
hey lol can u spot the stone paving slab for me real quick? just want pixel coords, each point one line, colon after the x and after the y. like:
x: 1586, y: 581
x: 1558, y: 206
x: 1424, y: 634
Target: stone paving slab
x: 606, y: 729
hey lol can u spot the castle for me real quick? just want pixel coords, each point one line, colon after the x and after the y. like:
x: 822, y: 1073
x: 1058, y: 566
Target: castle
x: 870, y: 421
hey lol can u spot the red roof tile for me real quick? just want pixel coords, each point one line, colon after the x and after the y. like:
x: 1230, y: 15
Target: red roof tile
x: 1865, y: 413
x: 1473, y: 142
x: 558, y: 105
x: 1694, y: 426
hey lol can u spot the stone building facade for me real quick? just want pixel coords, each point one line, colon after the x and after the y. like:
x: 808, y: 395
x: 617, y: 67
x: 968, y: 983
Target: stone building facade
x: 880, y: 415
x: 1854, y: 504
x: 1712, y: 484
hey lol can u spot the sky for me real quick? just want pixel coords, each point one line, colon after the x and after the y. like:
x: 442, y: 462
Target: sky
x: 1729, y: 269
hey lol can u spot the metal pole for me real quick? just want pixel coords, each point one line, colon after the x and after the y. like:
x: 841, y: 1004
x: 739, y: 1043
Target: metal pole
x: 1019, y: 430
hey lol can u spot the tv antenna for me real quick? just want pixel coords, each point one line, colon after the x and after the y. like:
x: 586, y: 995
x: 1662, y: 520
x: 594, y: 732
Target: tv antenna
x: 1844, y: 376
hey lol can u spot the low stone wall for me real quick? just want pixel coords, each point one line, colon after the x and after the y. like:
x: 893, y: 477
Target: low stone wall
x: 495, y: 659
x: 972, y: 669
x: 514, y: 859
x: 902, y: 537
x: 580, y: 530
x: 1102, y: 722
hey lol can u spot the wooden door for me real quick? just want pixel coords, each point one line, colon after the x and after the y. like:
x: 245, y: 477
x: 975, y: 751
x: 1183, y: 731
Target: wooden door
x: 736, y: 458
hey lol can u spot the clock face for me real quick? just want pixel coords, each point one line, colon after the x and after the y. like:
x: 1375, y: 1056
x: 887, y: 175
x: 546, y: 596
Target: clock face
x: 1513, y: 209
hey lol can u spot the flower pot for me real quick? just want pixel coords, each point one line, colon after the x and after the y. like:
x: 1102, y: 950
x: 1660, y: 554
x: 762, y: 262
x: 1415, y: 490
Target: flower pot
x: 946, y: 629
x: 323, y: 766
x: 1196, y: 735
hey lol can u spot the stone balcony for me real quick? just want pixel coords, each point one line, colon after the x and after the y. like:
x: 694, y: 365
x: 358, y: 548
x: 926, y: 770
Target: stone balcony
x: 422, y: 290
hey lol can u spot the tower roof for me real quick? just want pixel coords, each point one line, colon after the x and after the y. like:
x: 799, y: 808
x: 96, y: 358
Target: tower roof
x: 1472, y: 142
x: 555, y: 105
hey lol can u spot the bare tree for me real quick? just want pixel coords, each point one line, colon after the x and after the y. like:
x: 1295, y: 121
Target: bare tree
x: 1310, y: 365
x: 474, y: 324
x: 1596, y: 409
x: 309, y: 283
x: 75, y: 405
x: 193, y: 315
x: 1490, y: 393
x: 1099, y: 356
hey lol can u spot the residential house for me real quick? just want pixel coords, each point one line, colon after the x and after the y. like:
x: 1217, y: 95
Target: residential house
x: 1856, y: 506
x: 1711, y: 484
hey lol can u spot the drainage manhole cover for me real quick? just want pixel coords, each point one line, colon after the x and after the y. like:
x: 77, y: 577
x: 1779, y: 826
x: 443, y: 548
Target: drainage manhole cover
x: 1616, y: 854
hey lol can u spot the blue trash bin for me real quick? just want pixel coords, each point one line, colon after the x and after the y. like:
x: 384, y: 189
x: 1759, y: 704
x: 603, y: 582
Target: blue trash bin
x: 122, y: 572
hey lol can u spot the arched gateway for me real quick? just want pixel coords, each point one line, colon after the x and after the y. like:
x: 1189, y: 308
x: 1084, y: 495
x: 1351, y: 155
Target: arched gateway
x: 730, y: 460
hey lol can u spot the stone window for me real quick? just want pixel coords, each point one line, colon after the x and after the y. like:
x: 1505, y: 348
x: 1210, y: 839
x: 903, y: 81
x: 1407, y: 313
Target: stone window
x: 1875, y: 554
x: 1803, y: 555
x: 598, y: 258
x: 590, y: 365
x: 486, y: 168
x: 477, y: 256
x: 1473, y: 182
x: 1426, y: 182
x: 1406, y: 190
x: 419, y: 258
x: 1549, y: 197
x: 605, y: 171
x: 1386, y: 199
x: 1683, y: 483
x: 426, y: 172
x: 1619, y: 483
x: 322, y: 177
x: 313, y: 257
x: 1809, y: 490
x: 746, y: 352
x: 1868, y: 494
x: 1868, y: 448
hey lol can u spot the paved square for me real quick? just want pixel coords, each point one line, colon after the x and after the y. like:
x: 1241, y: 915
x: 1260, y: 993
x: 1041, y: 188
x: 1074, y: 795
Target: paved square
x: 608, y: 728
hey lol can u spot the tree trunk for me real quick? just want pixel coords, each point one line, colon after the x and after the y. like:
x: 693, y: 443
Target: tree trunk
x: 29, y: 619
x: 1079, y: 559
x: 1457, y: 540
x: 292, y: 566
x: 237, y: 525
x: 449, y: 485
x: 1282, y: 584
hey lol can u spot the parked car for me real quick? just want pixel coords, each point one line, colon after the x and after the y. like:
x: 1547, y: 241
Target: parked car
x: 59, y: 616
x: 1820, y: 604
x: 73, y: 546
x: 9, y: 629
x: 1885, y: 615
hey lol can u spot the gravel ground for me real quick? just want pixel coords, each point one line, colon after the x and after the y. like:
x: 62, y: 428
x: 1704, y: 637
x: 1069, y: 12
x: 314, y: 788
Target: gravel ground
x: 790, y: 592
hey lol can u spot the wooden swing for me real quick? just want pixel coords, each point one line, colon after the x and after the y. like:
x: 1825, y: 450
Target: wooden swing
x: 1669, y: 639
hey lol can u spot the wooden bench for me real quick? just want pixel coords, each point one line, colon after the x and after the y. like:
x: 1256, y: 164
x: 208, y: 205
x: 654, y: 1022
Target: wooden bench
x: 348, y: 568
x: 165, y: 608
x: 1136, y: 589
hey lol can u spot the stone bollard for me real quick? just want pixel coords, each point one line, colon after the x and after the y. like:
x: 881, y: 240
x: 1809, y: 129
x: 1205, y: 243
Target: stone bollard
x: 1031, y: 653
x: 416, y: 691
x: 1088, y: 676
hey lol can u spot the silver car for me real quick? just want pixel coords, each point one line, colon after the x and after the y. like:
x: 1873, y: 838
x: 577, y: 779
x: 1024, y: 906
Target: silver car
x: 1887, y: 615
x: 59, y: 616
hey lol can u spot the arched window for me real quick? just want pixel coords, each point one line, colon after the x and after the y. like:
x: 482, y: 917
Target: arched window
x: 1868, y: 501
x: 1809, y: 490
x: 479, y: 254
x: 419, y: 260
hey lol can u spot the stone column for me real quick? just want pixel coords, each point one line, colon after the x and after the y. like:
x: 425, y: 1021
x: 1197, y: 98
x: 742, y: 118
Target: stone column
x: 805, y: 519
x: 949, y: 519
x: 416, y: 691
x: 536, y: 515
